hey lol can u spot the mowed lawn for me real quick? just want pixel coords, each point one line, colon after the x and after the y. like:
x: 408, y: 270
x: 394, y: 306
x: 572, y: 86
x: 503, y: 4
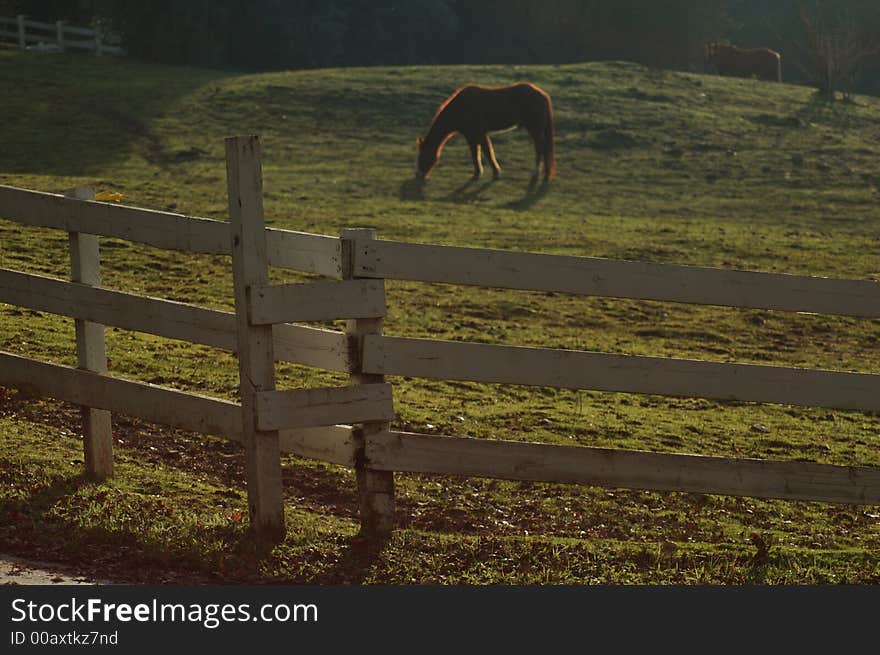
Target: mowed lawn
x: 652, y: 165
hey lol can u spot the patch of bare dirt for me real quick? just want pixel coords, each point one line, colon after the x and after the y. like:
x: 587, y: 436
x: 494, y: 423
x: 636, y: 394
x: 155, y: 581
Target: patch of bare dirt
x: 19, y: 571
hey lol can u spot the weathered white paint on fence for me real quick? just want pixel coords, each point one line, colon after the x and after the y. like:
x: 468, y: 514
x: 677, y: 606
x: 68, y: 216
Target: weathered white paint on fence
x: 165, y: 318
x: 509, y: 460
x: 154, y: 228
x: 613, y: 278
x: 375, y: 488
x: 147, y: 401
x: 85, y: 269
x: 304, y: 408
x: 572, y: 369
x: 256, y: 358
x: 301, y: 251
x: 165, y: 406
x: 311, y: 346
x: 298, y: 344
x: 317, y: 301
x: 334, y: 444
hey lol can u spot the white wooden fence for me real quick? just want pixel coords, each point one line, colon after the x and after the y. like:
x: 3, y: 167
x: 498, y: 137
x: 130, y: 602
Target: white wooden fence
x: 308, y: 422
x: 57, y: 36
x: 315, y: 423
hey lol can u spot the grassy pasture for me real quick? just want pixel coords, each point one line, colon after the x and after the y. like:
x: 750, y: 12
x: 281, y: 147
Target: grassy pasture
x: 652, y: 165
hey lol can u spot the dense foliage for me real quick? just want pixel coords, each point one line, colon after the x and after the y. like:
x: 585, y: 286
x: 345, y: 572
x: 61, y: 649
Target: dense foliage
x: 276, y: 34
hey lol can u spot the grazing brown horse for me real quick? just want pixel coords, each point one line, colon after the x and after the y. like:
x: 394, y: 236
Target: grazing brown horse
x: 763, y: 63
x: 476, y: 111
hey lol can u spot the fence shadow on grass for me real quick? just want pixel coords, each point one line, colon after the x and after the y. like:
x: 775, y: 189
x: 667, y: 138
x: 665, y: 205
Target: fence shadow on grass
x: 357, y: 561
x: 34, y: 527
x: 122, y: 554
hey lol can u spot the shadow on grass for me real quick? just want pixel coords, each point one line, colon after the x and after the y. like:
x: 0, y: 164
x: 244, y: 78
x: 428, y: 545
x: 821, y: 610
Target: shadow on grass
x: 533, y: 195
x: 820, y: 109
x: 74, y: 115
x: 412, y: 189
x: 43, y: 525
x: 34, y: 526
x: 359, y: 556
x: 470, y: 191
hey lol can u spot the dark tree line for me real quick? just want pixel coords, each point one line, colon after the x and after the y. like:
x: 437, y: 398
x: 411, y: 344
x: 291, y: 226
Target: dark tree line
x: 279, y: 34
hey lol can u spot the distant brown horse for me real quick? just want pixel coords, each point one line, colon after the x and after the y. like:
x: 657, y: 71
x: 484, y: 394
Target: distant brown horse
x: 476, y: 111
x: 763, y: 63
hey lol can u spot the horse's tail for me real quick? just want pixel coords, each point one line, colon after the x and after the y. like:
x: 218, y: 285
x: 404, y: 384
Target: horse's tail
x: 549, y: 142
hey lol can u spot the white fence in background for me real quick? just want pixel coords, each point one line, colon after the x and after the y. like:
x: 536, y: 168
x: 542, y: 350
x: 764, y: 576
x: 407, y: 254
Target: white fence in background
x: 56, y: 37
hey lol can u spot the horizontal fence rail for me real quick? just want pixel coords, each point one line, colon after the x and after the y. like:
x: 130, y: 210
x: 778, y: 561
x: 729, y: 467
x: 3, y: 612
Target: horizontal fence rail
x: 617, y: 279
x: 297, y: 344
x: 318, y: 301
x: 574, y: 369
x: 165, y: 318
x: 310, y: 346
x: 509, y: 460
x: 153, y: 228
x: 157, y: 404
x: 334, y: 444
x: 295, y: 408
x: 146, y: 401
x: 300, y: 251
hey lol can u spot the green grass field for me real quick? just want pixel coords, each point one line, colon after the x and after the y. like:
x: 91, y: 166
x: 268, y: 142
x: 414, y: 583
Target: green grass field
x: 652, y: 165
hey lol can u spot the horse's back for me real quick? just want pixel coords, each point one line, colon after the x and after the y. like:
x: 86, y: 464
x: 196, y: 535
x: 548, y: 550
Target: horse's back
x: 494, y: 108
x: 731, y: 60
x: 523, y: 92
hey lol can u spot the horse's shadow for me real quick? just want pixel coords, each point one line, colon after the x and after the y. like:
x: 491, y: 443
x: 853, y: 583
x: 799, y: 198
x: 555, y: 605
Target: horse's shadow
x: 473, y: 190
x: 412, y: 189
x: 533, y: 194
x: 469, y: 191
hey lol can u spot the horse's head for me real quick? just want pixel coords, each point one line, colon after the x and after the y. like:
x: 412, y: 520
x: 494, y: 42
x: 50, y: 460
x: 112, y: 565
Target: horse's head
x: 426, y: 159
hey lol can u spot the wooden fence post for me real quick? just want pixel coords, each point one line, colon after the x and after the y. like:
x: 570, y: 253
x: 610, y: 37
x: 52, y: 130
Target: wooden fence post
x: 256, y: 361
x: 375, y: 488
x: 59, y: 34
x: 85, y: 268
x: 22, y: 43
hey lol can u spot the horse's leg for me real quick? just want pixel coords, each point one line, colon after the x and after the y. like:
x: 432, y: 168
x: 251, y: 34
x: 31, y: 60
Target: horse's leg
x: 538, y: 140
x: 476, y: 157
x: 548, y: 149
x: 490, y: 153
